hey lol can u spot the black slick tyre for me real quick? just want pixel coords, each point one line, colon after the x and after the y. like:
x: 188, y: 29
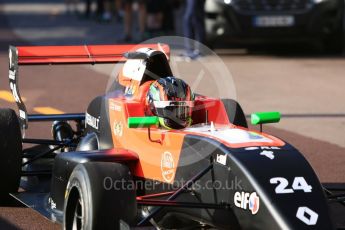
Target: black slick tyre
x: 99, y: 195
x: 10, y: 153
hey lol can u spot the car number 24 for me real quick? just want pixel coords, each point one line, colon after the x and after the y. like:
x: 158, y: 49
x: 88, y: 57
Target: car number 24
x: 283, y: 185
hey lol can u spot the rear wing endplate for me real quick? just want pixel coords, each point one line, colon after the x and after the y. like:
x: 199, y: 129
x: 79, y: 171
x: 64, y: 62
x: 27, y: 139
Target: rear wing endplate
x: 50, y: 55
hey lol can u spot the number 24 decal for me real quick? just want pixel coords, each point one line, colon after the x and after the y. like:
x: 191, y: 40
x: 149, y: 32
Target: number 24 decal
x: 298, y: 183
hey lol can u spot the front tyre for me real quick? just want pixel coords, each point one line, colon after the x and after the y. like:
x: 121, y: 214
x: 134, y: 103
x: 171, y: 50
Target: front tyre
x: 10, y: 153
x: 99, y: 196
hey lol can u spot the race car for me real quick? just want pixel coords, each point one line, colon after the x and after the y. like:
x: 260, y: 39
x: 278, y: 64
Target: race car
x: 118, y: 167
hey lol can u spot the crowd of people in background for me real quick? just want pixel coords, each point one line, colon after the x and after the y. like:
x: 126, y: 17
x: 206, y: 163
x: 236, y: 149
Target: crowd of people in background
x: 155, y: 18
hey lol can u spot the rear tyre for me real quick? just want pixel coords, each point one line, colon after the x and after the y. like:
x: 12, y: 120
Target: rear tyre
x: 10, y: 154
x: 100, y: 195
x: 235, y: 112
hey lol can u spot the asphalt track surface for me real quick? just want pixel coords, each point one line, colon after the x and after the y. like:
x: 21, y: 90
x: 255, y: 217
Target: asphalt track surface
x: 69, y: 89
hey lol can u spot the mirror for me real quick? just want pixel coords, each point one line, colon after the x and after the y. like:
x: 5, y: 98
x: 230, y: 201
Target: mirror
x: 265, y: 117
x: 142, y: 122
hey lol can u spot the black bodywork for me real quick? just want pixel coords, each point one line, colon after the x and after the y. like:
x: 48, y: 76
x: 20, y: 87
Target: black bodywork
x: 245, y: 171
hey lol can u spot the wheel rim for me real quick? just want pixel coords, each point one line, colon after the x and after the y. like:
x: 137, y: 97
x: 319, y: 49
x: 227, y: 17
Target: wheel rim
x: 78, y: 218
x: 74, y: 211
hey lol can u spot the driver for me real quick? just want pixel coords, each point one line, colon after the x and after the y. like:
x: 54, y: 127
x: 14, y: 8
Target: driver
x: 172, y: 101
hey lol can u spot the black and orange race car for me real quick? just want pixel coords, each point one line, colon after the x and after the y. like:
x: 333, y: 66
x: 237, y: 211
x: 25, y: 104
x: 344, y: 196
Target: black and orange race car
x: 118, y: 169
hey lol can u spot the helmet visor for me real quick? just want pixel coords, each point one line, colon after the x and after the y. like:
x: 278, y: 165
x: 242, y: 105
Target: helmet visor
x: 179, y: 112
x: 164, y: 104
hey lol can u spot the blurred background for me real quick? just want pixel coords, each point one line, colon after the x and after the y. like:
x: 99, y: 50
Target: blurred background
x: 283, y: 55
x: 311, y: 25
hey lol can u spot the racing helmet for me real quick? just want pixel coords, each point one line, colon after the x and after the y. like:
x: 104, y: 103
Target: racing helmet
x: 172, y: 101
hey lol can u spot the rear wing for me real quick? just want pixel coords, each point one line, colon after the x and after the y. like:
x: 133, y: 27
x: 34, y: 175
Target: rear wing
x: 50, y: 55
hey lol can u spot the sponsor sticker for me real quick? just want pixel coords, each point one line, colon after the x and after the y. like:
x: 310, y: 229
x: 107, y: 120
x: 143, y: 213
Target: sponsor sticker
x: 307, y: 216
x: 10, y: 56
x: 268, y: 154
x: 254, y: 136
x: 268, y: 147
x: 266, y: 150
x: 221, y: 159
x: 14, y: 91
x: 22, y: 114
x: 131, y: 90
x: 247, y: 201
x: 262, y: 148
x: 167, y: 167
x: 115, y: 107
x: 92, y: 121
x: 12, y: 75
x: 118, y: 128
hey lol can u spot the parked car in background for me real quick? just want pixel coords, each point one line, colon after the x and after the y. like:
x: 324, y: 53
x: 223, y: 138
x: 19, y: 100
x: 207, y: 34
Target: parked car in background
x: 256, y: 21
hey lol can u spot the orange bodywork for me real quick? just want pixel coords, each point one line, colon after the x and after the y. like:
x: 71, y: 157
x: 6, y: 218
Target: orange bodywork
x: 151, y: 151
x: 137, y: 140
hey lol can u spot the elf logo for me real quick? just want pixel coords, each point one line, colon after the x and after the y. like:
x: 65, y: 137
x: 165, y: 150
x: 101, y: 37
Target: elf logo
x: 247, y: 200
